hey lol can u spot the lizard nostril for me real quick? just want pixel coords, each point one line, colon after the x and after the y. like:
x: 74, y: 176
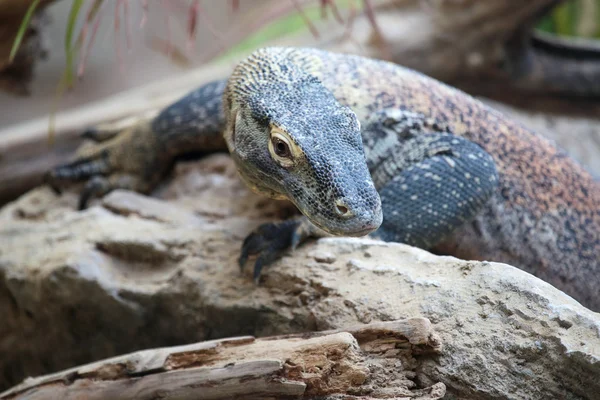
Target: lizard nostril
x: 342, y: 209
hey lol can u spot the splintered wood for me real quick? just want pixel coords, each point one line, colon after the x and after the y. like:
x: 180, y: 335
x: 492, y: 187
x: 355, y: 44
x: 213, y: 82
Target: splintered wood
x: 365, y: 362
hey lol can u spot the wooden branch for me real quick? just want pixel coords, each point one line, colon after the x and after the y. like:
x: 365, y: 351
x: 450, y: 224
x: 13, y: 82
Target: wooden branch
x: 368, y: 361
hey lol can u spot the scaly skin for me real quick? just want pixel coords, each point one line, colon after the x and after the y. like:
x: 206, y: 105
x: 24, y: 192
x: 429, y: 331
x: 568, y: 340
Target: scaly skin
x: 499, y: 191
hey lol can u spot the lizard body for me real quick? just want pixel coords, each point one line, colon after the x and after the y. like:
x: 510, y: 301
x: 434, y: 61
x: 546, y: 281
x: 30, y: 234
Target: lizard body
x: 348, y: 139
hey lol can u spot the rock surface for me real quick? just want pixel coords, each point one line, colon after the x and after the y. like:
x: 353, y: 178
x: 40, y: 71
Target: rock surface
x: 135, y: 272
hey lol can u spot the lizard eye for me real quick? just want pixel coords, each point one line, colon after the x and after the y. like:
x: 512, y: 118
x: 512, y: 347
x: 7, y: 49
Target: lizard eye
x: 281, y: 149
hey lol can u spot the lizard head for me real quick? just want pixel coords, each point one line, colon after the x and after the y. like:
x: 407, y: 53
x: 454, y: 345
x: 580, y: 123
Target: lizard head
x: 291, y: 139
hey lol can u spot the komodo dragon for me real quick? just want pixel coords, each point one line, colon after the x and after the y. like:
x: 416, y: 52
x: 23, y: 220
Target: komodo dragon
x: 352, y: 141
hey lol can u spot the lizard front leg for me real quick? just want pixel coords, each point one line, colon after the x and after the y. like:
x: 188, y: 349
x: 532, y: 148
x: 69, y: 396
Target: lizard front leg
x: 139, y: 156
x: 269, y: 241
x: 430, y: 181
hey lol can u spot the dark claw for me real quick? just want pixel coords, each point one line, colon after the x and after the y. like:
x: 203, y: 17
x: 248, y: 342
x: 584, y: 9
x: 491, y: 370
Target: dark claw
x: 94, y: 187
x: 84, y: 197
x: 99, y: 135
x: 90, y: 133
x: 78, y: 170
x: 81, y: 169
x: 269, y: 241
x: 49, y: 180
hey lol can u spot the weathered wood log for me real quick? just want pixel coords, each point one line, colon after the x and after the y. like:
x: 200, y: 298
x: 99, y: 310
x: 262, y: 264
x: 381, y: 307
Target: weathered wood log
x: 362, y: 362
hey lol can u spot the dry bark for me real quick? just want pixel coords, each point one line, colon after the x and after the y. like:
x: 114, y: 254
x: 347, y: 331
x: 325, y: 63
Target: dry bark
x: 368, y: 361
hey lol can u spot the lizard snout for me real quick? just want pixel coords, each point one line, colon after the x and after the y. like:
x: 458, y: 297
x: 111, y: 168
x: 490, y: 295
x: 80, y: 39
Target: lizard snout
x: 357, y: 219
x: 342, y: 209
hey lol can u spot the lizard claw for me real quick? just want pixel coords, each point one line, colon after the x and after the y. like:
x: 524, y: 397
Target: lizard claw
x: 269, y: 241
x: 49, y: 180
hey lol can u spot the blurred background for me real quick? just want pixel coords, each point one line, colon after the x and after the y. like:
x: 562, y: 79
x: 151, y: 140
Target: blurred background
x: 121, y: 59
x: 68, y: 64
x: 139, y: 42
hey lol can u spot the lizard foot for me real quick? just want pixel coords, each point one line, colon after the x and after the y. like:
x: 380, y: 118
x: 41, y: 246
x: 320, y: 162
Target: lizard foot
x: 99, y: 186
x: 127, y: 160
x: 269, y: 241
x: 136, y: 153
x: 98, y: 135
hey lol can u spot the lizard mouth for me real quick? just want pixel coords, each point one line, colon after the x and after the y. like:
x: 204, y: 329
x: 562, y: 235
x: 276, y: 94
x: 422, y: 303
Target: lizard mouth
x: 364, y: 229
x: 361, y: 224
x: 362, y: 232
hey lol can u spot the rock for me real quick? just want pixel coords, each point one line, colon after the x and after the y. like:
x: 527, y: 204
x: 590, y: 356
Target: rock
x: 135, y: 272
x: 326, y: 258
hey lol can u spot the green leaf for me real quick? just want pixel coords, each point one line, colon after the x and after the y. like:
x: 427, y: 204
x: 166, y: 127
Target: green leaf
x: 69, y: 48
x: 546, y: 24
x: 560, y: 17
x: 22, y: 30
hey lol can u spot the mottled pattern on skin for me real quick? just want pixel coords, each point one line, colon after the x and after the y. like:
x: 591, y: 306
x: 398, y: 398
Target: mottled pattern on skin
x: 430, y: 181
x: 193, y: 123
x: 543, y: 216
x: 329, y: 170
x: 129, y: 160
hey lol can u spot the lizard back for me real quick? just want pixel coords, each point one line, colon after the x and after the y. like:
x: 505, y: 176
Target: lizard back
x: 545, y: 215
